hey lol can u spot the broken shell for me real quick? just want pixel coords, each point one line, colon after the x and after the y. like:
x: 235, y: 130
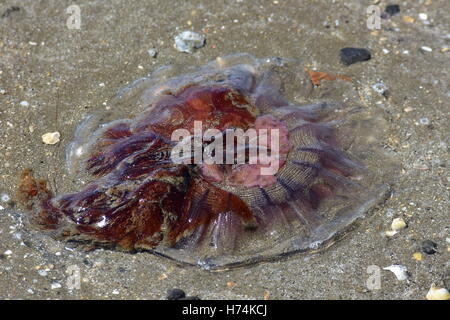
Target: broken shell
x: 398, y: 224
x: 400, y: 272
x: 187, y: 41
x: 51, y: 137
x: 390, y: 233
x: 436, y: 293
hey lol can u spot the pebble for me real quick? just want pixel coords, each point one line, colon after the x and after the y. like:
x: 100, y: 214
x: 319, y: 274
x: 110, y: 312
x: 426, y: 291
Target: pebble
x: 8, y: 252
x: 408, y: 109
x: 152, y: 53
x: 417, y: 256
x: 42, y: 272
x: 115, y: 291
x: 392, y: 9
x: 24, y: 103
x: 424, y: 121
x: 187, y: 41
x: 352, y: 55
x: 426, y: 49
x: 398, y: 224
x: 51, y: 137
x: 178, y: 294
x: 436, y: 293
x: 5, y: 198
x: 429, y: 247
x: 175, y: 294
x: 408, y: 19
x: 391, y: 233
x: 423, y: 16
x: 400, y: 272
x: 381, y: 88
x: 56, y: 285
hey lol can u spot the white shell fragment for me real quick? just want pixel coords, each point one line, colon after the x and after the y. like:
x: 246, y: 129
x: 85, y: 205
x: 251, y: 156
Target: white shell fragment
x: 423, y: 16
x: 436, y: 293
x: 390, y: 233
x: 400, y: 272
x: 398, y: 224
x: 51, y: 137
x: 187, y: 41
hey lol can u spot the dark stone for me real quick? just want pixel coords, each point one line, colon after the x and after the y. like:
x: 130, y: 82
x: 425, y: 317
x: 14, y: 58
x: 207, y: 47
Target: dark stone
x: 352, y: 55
x: 87, y: 262
x: 429, y: 247
x: 9, y: 11
x: 392, y: 9
x: 175, y: 294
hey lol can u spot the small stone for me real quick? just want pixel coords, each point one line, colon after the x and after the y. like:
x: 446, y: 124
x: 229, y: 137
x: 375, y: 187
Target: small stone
x: 392, y: 9
x: 381, y: 88
x: 152, y: 53
x: 51, y: 137
x: 429, y: 247
x: 408, y: 19
x: 423, y: 16
x: 352, y: 55
x: 187, y: 41
x: 8, y: 252
x: 42, y: 272
x: 24, y: 104
x: 426, y: 49
x: 400, y: 272
x: 398, y: 224
x: 115, y: 291
x: 5, y: 198
x: 175, y: 294
x: 56, y: 285
x: 424, y: 121
x: 417, y: 256
x: 436, y: 293
x: 391, y: 233
x: 408, y: 109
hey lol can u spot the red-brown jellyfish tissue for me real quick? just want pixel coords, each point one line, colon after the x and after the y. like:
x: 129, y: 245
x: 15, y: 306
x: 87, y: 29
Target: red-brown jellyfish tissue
x: 136, y: 196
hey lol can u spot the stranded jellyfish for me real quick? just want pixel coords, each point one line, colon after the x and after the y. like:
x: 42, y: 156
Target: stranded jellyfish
x: 321, y: 172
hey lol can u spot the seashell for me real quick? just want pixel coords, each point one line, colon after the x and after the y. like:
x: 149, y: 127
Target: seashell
x: 400, y: 272
x: 436, y: 293
x: 51, y: 137
x: 398, y: 224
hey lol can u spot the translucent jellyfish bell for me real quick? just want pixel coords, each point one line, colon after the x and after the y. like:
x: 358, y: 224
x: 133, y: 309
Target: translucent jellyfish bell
x: 222, y: 215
